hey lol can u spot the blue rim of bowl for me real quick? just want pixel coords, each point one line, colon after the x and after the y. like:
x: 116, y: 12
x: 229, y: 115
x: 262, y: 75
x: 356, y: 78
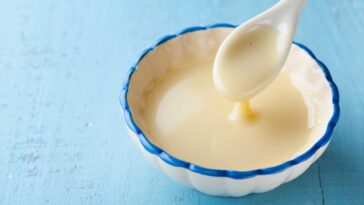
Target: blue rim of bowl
x: 153, y: 149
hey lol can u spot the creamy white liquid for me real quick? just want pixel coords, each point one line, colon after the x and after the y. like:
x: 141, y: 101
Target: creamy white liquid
x: 246, y: 64
x: 187, y: 117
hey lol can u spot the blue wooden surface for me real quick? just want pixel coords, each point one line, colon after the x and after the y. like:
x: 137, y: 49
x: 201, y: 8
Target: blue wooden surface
x: 62, y: 140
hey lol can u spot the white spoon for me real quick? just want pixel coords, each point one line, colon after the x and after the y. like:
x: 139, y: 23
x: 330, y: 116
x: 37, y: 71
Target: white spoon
x: 253, y: 54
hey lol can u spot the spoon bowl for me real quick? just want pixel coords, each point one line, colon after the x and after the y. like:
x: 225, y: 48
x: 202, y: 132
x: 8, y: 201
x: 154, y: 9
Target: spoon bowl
x: 253, y: 54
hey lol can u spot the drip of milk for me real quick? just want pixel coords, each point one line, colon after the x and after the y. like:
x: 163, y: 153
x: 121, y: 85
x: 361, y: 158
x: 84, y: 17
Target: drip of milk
x: 242, y: 110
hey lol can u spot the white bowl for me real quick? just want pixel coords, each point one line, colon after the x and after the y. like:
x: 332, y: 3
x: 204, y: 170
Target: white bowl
x: 310, y: 75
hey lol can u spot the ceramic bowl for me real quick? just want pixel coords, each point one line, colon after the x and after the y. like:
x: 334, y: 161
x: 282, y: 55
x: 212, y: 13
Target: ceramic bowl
x: 310, y: 75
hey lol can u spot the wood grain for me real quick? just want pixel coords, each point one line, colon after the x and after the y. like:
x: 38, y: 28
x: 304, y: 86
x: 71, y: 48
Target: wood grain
x: 62, y: 140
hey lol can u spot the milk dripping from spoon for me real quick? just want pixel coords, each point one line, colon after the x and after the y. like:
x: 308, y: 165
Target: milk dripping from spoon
x: 253, y: 54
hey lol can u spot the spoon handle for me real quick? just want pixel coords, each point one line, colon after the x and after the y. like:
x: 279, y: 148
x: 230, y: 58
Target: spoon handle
x: 294, y: 6
x: 285, y: 11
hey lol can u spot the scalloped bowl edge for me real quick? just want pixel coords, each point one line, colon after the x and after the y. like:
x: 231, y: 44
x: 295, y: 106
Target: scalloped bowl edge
x: 226, y: 182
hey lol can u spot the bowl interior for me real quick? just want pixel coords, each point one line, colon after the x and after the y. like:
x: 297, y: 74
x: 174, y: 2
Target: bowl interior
x: 306, y: 74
